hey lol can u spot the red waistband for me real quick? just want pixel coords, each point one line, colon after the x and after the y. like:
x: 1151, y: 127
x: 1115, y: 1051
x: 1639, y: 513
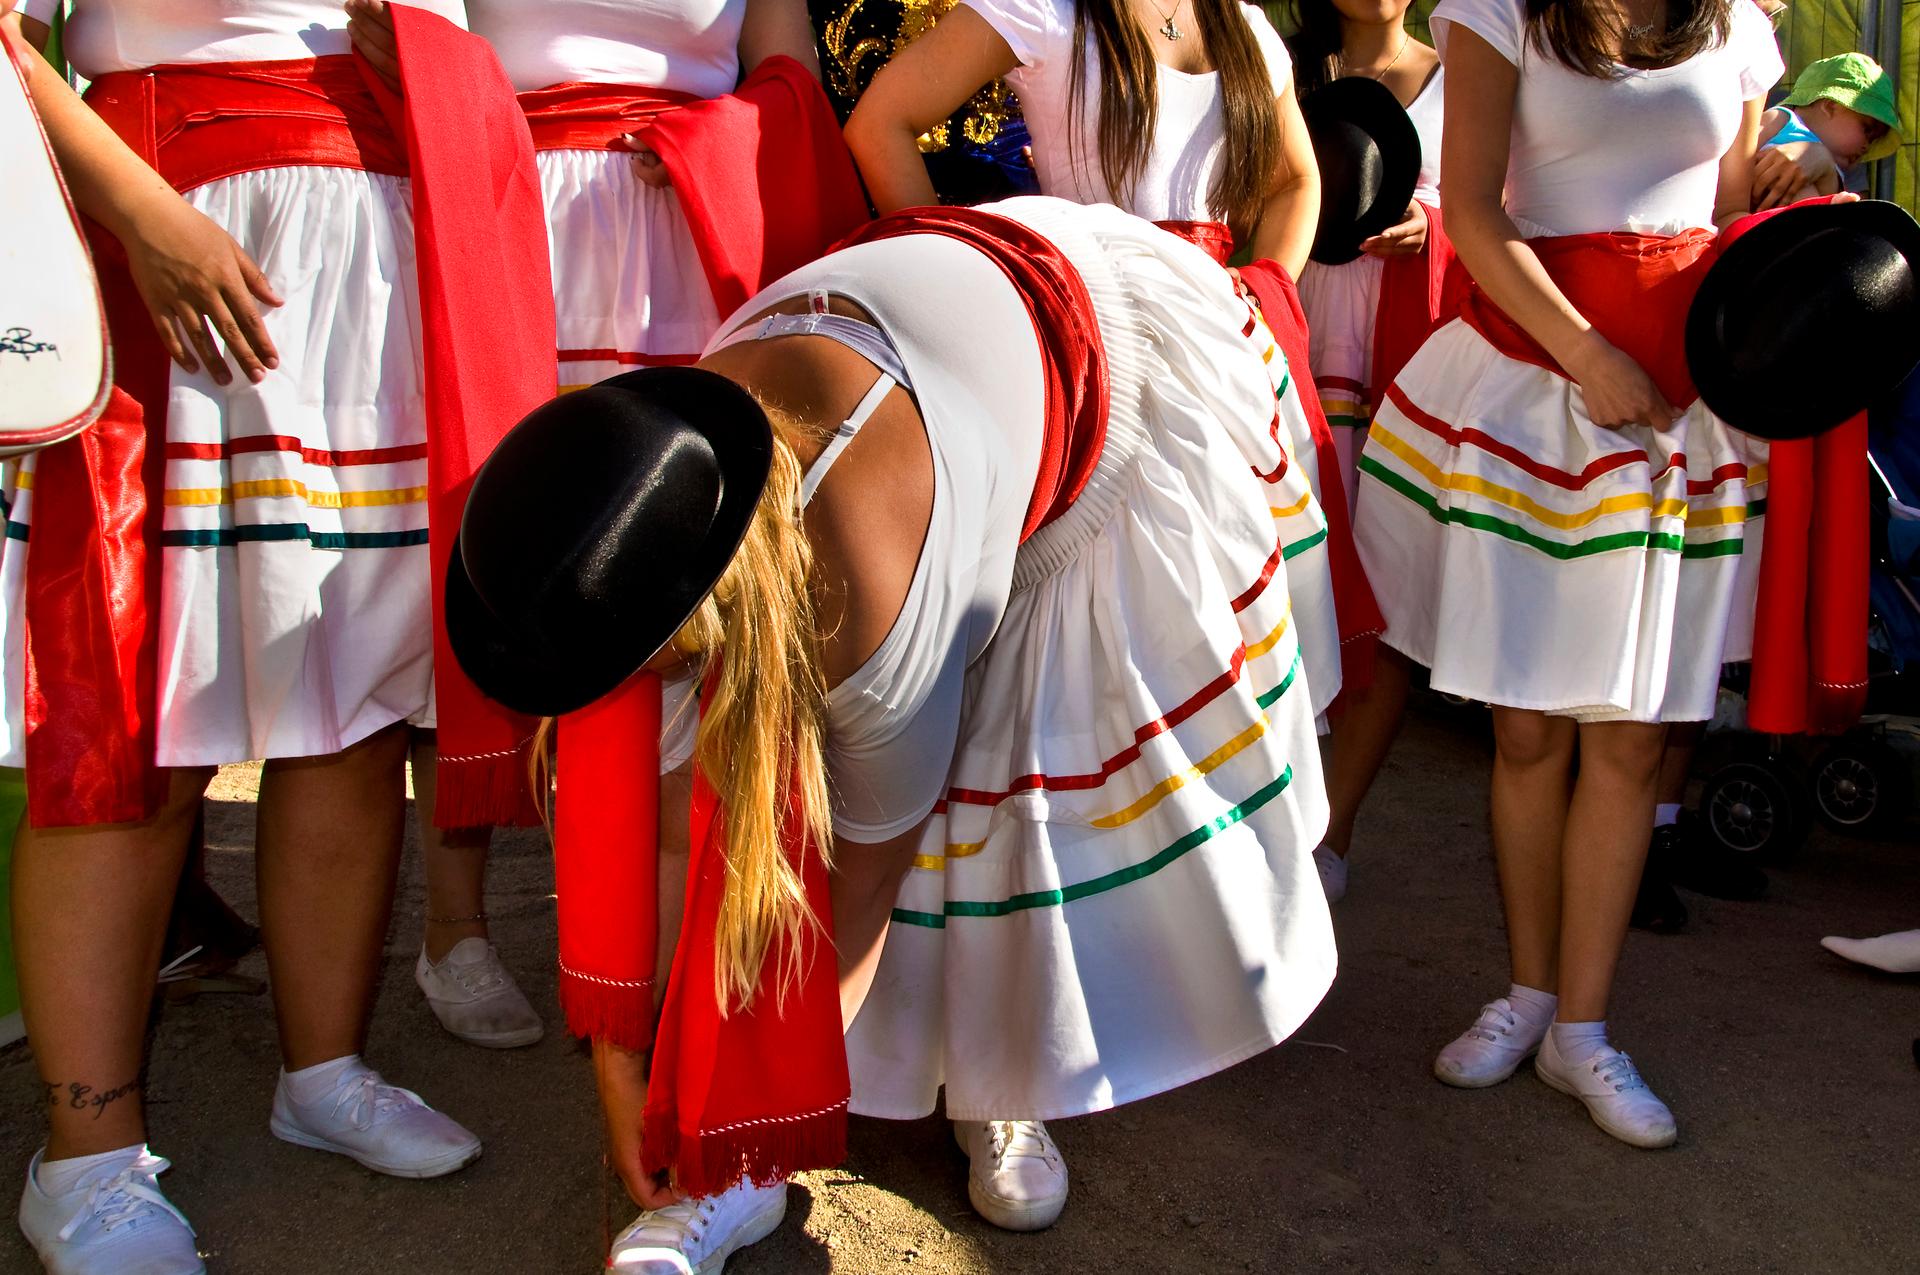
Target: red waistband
x: 1634, y: 290
x: 589, y: 117
x: 200, y: 122
x: 1213, y: 236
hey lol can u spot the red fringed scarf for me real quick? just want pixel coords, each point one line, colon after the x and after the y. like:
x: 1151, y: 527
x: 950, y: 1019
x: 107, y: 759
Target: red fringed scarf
x: 1810, y: 621
x: 93, y: 574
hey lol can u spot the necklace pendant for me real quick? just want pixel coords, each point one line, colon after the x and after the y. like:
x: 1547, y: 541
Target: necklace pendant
x: 1171, y: 31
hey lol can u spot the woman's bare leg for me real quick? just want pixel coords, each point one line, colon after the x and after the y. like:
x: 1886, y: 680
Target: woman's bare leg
x: 1532, y: 784
x: 1362, y: 735
x: 453, y: 860
x: 328, y: 851
x: 1605, y: 848
x: 90, y: 910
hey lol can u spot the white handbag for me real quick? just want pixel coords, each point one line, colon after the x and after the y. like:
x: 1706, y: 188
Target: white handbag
x: 55, y: 367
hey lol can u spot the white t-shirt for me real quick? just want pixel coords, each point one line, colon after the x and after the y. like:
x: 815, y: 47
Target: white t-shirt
x: 1188, y: 137
x: 1427, y: 112
x: 1638, y: 153
x: 688, y: 46
x: 127, y: 35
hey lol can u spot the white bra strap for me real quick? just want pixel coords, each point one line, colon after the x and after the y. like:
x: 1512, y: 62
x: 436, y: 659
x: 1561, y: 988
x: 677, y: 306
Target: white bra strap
x: 816, y: 472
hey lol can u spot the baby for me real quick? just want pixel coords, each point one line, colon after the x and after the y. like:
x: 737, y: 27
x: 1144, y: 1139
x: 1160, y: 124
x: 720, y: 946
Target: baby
x: 1839, y: 116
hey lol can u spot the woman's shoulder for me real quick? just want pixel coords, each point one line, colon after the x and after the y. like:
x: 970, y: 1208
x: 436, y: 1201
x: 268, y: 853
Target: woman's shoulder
x: 1036, y: 30
x: 1501, y: 23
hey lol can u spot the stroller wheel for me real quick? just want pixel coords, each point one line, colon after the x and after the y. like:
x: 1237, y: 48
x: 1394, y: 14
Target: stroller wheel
x: 1750, y: 808
x: 1860, y: 787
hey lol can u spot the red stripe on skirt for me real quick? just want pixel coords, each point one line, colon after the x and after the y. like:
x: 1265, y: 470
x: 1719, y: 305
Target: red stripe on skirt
x: 282, y: 443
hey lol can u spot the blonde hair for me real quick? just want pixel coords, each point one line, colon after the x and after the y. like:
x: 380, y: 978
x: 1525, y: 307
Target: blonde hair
x: 762, y: 736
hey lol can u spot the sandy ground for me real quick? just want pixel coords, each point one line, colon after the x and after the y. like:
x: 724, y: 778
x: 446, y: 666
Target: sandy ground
x: 1789, y: 1069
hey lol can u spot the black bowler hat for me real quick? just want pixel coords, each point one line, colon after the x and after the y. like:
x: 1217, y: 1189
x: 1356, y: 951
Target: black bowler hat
x: 596, y: 528
x: 1807, y: 317
x: 1369, y: 157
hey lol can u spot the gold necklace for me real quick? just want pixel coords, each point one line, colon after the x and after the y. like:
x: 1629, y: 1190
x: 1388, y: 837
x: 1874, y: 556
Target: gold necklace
x: 1167, y: 28
x: 1381, y: 74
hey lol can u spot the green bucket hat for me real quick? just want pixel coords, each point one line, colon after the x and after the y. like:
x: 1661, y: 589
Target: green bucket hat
x: 1856, y: 82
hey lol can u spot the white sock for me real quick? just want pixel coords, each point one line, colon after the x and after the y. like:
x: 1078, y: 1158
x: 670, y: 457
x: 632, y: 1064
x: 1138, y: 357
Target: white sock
x: 310, y: 1084
x: 58, y: 1177
x: 1897, y: 953
x: 1577, y: 1043
x: 1531, y: 1004
x: 1667, y: 812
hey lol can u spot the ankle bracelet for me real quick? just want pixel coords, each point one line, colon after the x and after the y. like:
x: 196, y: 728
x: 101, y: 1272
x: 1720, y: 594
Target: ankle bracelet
x: 456, y: 920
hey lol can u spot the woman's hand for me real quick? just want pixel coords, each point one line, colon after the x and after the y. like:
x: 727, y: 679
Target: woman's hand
x: 1404, y: 238
x: 371, y: 28
x: 647, y: 164
x: 1617, y: 389
x: 1781, y: 176
x: 621, y: 1075
x: 192, y: 274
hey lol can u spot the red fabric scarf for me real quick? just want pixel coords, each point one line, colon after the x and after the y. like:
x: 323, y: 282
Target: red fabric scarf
x: 93, y: 579
x: 763, y: 177
x: 1356, y: 612
x: 1072, y: 361
x: 1810, y: 622
x: 584, y: 116
x: 1419, y: 293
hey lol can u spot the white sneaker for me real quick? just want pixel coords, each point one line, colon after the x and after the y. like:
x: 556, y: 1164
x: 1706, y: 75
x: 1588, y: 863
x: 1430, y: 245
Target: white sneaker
x: 1015, y: 1178
x: 116, y: 1222
x: 1490, y: 1050
x: 381, y: 1126
x: 695, y: 1237
x: 1333, y: 873
x: 1616, y: 1097
x: 474, y: 997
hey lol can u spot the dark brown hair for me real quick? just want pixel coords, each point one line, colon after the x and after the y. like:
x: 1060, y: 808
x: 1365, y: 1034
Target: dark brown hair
x: 1130, y: 100
x: 1584, y: 38
x: 1315, y: 44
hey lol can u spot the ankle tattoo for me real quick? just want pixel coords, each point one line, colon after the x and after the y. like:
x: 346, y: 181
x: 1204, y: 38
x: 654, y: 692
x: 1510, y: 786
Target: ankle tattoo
x: 75, y: 1096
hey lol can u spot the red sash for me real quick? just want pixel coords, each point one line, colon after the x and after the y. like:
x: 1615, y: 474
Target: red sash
x: 579, y: 116
x: 1073, y: 363
x: 1810, y: 634
x: 93, y: 578
x: 1356, y: 613
x: 1419, y: 292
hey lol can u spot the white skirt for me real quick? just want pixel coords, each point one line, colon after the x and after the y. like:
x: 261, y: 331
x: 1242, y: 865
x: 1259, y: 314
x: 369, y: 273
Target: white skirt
x: 1532, y: 559
x: 1342, y: 304
x: 628, y: 288
x: 295, y: 612
x: 1117, y: 895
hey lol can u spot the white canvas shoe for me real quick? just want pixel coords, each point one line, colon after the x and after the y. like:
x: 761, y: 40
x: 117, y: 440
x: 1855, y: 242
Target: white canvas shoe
x: 475, y: 998
x: 1490, y: 1050
x: 381, y: 1126
x: 115, y: 1222
x: 695, y: 1237
x: 1015, y: 1176
x: 1614, y: 1093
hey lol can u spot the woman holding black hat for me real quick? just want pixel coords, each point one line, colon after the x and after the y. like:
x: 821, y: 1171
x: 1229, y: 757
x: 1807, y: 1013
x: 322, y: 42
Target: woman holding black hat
x: 1006, y: 621
x: 1366, y: 316
x: 1555, y: 524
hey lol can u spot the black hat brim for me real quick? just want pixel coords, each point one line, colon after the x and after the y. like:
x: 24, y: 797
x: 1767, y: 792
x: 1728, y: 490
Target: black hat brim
x: 1751, y: 369
x: 555, y: 673
x: 1371, y: 108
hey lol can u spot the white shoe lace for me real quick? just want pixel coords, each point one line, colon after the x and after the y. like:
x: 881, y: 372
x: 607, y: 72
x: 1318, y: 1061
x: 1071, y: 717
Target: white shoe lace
x: 680, y: 1227
x: 124, y: 1198
x: 368, y: 1100
x: 1619, y: 1072
x: 477, y: 978
x: 1016, y: 1139
x: 1493, y: 1023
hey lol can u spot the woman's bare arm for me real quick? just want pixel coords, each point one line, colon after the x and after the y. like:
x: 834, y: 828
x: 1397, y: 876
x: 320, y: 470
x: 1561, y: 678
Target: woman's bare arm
x: 775, y: 27
x: 1285, y: 232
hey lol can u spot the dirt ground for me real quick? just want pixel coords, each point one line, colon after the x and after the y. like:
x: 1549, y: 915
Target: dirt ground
x: 1790, y: 1071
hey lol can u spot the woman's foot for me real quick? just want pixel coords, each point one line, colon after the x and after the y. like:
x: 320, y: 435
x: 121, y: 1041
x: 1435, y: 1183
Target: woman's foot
x: 695, y: 1237
x: 1015, y: 1177
x: 475, y: 998
x: 1615, y: 1094
x: 1507, y: 1032
x: 1333, y: 873
x: 105, y: 1215
x: 344, y: 1107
